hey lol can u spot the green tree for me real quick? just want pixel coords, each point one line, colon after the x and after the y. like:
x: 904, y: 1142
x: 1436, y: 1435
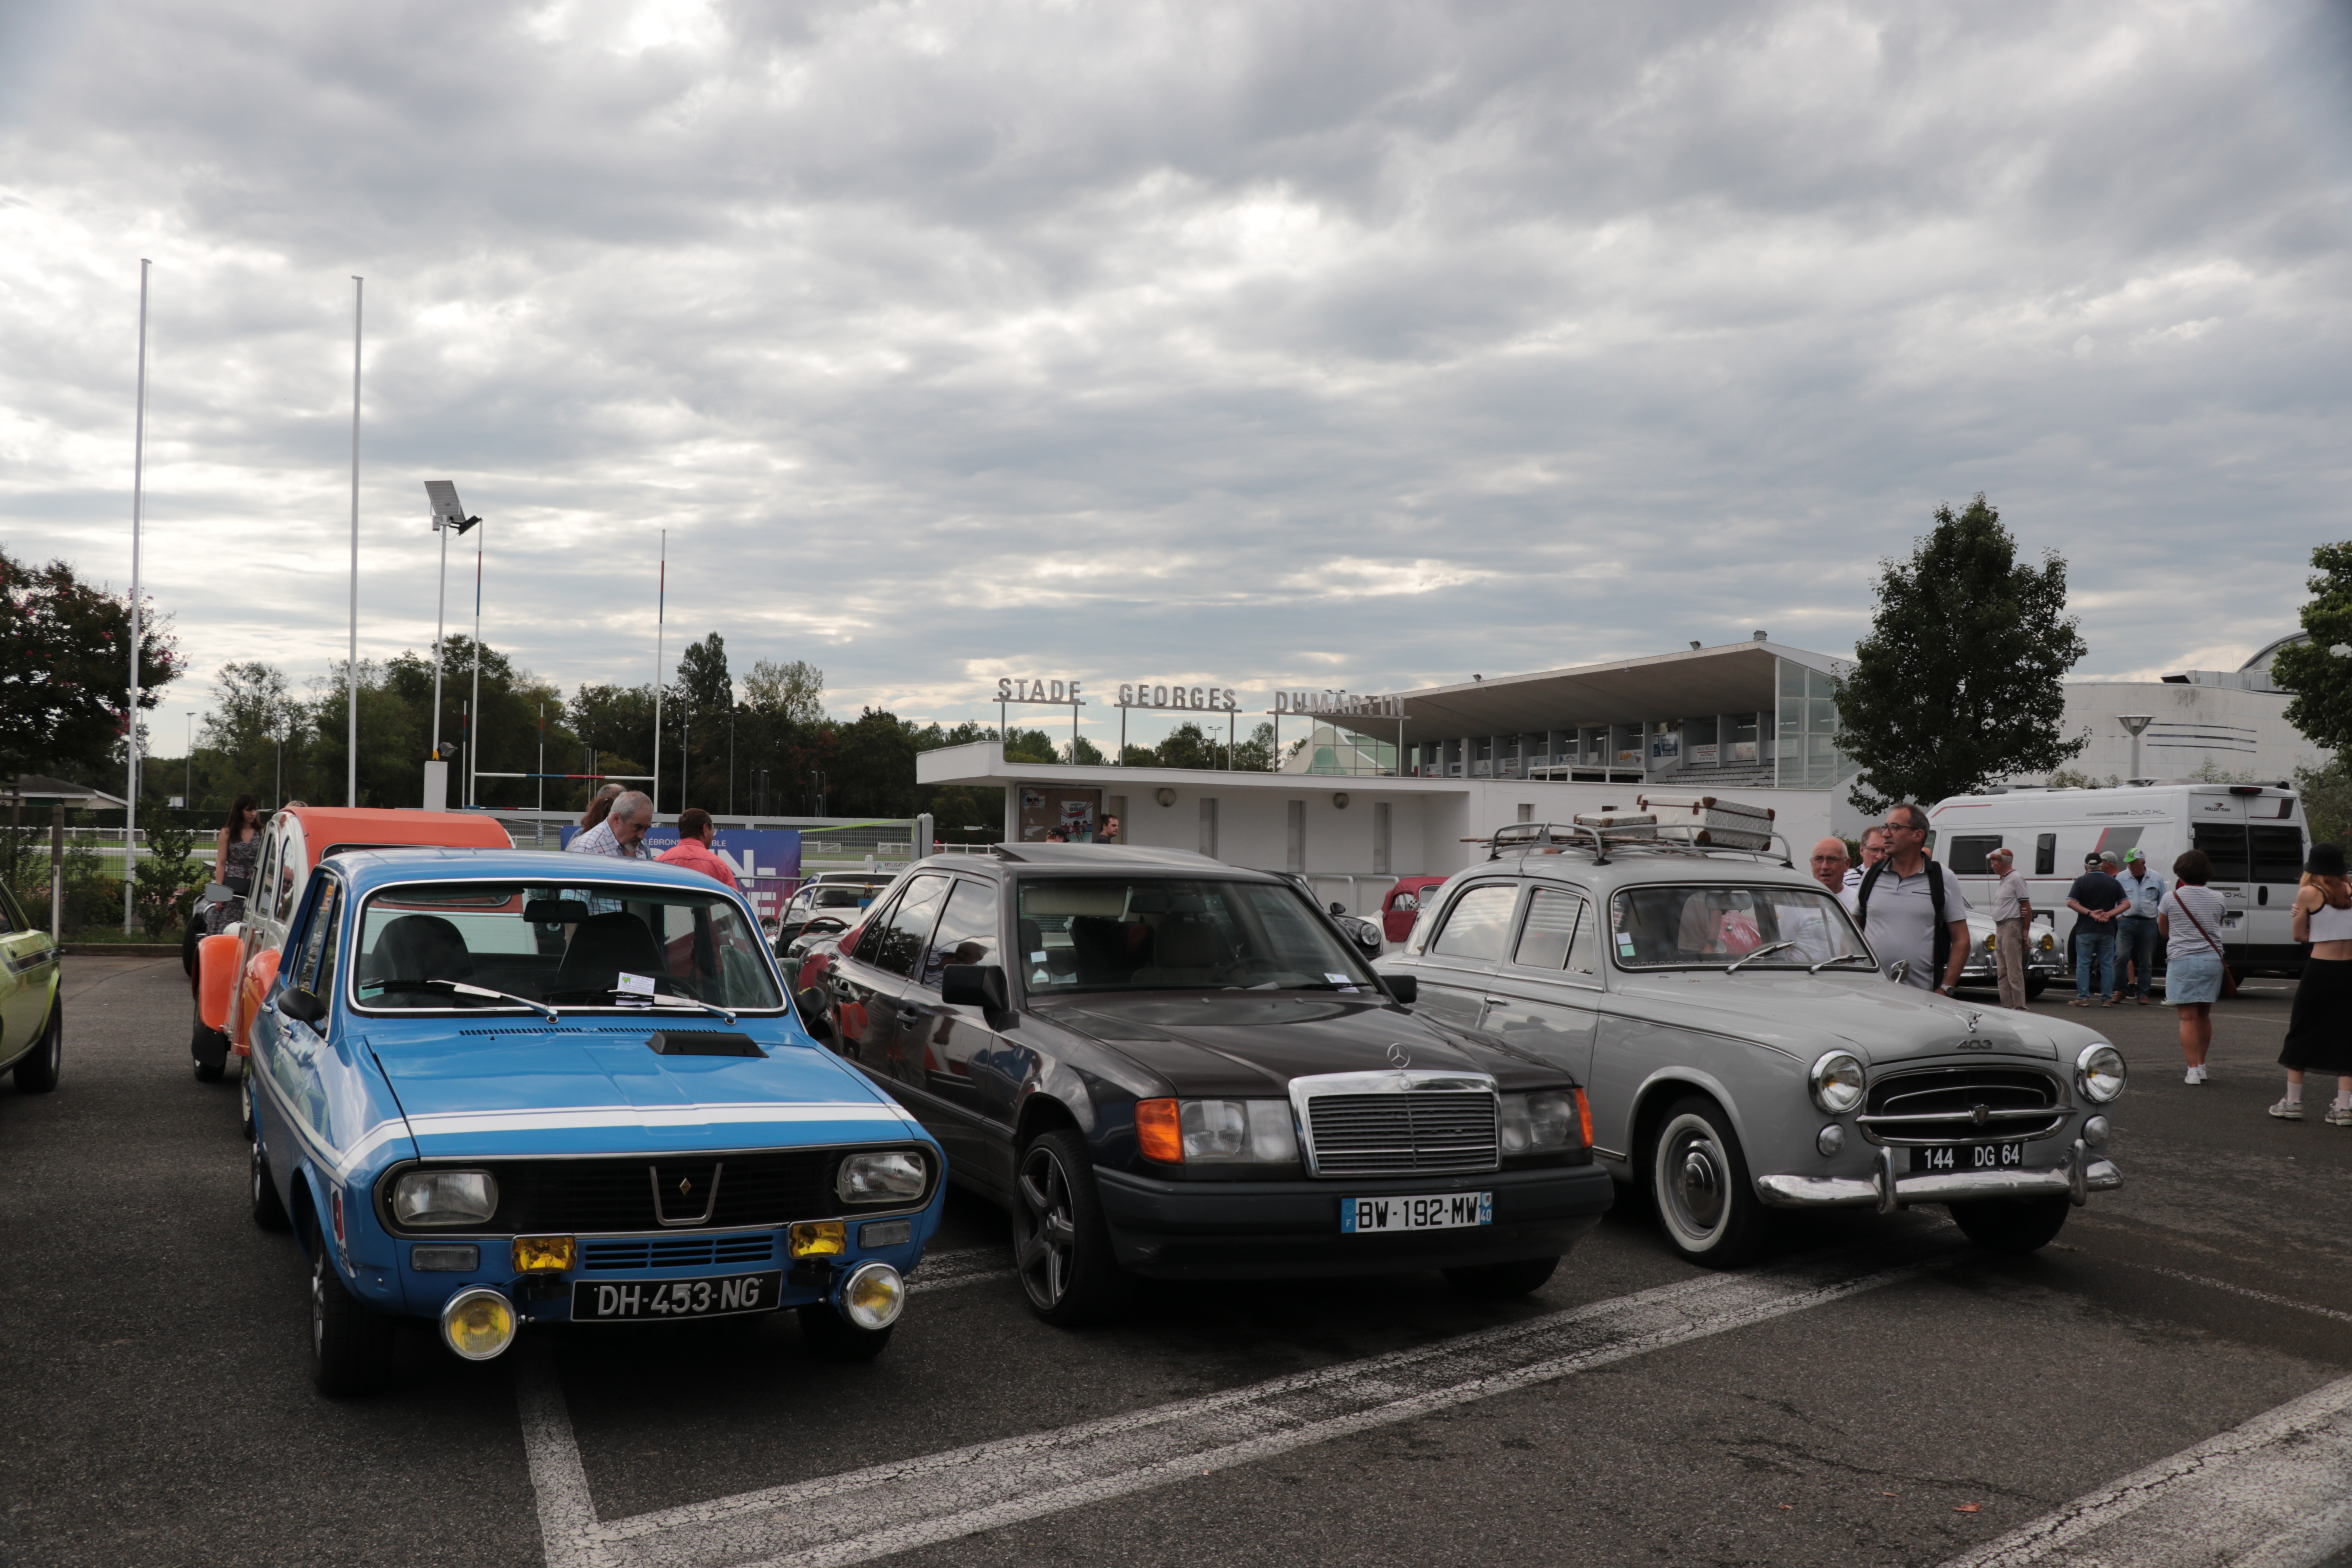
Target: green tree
x: 392, y: 742
x: 65, y: 670
x: 2320, y: 678
x: 2327, y: 801
x: 873, y: 767
x: 1959, y: 683
x: 1030, y: 746
x: 166, y: 883
x: 255, y: 714
x: 793, y: 691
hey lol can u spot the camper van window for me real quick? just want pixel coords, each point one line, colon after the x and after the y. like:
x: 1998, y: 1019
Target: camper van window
x: 2278, y: 854
x: 1967, y: 857
x: 2224, y: 844
x: 2045, y: 853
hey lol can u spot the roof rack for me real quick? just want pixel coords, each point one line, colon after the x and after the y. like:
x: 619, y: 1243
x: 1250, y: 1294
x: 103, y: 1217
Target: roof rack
x: 1555, y: 838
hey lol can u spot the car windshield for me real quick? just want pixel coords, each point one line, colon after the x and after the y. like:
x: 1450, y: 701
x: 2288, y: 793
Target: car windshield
x: 565, y: 943
x: 1657, y: 928
x: 1178, y: 933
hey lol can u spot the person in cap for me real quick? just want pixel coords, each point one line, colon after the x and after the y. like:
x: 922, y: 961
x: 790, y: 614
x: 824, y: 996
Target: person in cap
x: 2319, y: 1031
x: 2012, y: 920
x: 2098, y: 900
x: 2136, y: 930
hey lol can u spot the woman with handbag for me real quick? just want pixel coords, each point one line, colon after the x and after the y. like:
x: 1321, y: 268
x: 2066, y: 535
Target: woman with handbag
x: 2186, y: 919
x: 2319, y: 1033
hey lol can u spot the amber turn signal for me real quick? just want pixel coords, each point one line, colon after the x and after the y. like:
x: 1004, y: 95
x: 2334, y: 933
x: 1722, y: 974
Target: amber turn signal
x: 544, y: 1253
x: 1584, y: 1117
x: 820, y: 1238
x: 1159, y: 1130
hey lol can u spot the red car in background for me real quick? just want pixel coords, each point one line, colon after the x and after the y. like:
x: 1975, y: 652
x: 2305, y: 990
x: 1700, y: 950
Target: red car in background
x: 1402, y: 905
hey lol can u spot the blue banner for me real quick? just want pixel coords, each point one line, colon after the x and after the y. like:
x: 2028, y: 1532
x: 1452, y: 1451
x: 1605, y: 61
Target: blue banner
x: 765, y: 860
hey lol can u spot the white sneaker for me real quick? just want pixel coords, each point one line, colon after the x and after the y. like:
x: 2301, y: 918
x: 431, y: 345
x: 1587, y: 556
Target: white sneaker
x: 2288, y: 1110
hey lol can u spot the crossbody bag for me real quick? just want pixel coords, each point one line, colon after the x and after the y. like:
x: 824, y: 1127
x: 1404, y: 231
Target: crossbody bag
x: 2228, y: 975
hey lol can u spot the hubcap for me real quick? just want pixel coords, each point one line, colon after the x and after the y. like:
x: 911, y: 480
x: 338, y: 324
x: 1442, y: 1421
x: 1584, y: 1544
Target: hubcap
x: 319, y: 1299
x: 1694, y: 1179
x: 1048, y: 1235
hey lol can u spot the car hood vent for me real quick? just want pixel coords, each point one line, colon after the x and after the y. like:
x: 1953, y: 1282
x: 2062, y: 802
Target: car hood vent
x: 702, y: 1043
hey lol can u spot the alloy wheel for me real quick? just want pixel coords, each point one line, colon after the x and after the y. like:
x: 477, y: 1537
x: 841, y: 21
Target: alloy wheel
x: 1049, y: 1233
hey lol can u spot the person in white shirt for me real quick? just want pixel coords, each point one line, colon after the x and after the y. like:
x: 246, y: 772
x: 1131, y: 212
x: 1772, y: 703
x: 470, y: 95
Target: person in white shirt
x: 2013, y: 919
x: 1873, y: 850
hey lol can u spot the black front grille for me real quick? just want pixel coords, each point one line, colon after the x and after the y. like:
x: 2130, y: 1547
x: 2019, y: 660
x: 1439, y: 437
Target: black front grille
x: 1941, y: 1105
x: 681, y: 1252
x: 584, y: 1196
x: 1409, y: 1134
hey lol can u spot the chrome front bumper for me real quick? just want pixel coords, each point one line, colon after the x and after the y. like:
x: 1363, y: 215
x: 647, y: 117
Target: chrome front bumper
x: 2081, y: 1175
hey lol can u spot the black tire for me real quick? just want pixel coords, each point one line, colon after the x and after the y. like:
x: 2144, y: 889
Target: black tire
x: 1500, y: 1281
x: 827, y: 1333
x: 268, y: 1210
x: 350, y: 1347
x: 1061, y: 1245
x: 244, y: 1099
x: 1699, y: 1186
x: 2013, y: 1224
x: 37, y: 1070
x: 209, y: 1047
x: 2035, y: 985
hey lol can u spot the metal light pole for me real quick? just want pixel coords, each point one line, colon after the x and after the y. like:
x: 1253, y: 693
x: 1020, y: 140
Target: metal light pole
x: 352, y: 697
x: 661, y: 600
x: 448, y: 515
x: 188, y: 781
x: 138, y: 496
x: 2133, y: 724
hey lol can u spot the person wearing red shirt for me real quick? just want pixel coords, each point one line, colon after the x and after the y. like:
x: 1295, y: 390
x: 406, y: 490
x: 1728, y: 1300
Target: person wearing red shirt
x: 693, y: 849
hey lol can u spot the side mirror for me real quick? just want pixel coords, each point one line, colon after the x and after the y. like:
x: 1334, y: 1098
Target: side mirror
x: 1338, y: 908
x: 811, y: 1005
x: 302, y: 1006
x: 975, y: 986
x: 1405, y: 988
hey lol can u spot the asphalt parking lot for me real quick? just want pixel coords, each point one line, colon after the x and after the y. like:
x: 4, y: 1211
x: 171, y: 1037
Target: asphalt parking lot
x: 2171, y: 1382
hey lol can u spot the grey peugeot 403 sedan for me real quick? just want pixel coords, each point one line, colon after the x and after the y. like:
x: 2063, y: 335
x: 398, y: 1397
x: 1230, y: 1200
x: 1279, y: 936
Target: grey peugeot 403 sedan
x: 1165, y: 1066
x: 1742, y: 1051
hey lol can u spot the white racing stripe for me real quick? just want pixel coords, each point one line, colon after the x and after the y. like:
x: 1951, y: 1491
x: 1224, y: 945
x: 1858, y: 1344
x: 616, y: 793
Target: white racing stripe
x: 2276, y: 1492
x: 899, y: 1506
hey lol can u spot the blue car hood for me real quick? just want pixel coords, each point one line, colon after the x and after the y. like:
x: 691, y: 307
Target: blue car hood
x: 587, y: 1090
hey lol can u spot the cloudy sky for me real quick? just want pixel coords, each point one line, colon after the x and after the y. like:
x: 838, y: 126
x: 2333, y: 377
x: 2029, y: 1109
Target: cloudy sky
x: 1359, y: 343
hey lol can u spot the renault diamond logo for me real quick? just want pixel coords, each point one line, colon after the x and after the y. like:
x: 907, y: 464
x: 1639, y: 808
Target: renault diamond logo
x: 686, y: 1183
x: 1399, y: 1057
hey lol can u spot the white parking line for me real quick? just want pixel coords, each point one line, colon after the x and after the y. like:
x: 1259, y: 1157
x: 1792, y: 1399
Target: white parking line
x: 2273, y: 1493
x: 898, y: 1505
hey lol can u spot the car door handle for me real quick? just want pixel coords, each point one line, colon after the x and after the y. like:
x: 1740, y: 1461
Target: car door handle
x: 1499, y: 1001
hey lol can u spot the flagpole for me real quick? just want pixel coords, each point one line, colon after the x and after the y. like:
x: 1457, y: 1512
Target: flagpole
x: 137, y: 497
x: 351, y: 783
x: 661, y: 599
x: 474, y: 725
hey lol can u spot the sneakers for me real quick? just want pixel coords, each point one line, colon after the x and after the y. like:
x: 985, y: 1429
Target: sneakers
x: 2289, y: 1111
x: 2194, y: 1075
x: 2338, y: 1116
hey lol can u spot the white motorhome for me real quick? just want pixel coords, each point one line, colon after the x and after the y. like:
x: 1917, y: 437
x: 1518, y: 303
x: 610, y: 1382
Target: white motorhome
x: 2254, y: 835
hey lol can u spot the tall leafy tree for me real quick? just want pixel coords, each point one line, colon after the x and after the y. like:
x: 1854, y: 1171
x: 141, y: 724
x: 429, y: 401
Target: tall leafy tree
x: 65, y: 670
x: 1959, y: 683
x: 2321, y: 678
x: 255, y: 718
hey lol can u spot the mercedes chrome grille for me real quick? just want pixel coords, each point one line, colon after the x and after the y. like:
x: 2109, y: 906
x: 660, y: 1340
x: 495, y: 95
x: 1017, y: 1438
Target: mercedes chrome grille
x: 1403, y: 1124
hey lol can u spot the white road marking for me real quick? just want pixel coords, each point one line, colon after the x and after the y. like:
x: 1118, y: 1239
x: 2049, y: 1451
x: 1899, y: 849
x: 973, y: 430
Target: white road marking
x: 2276, y: 1492
x: 567, y: 1515
x: 904, y: 1504
x: 2237, y: 1290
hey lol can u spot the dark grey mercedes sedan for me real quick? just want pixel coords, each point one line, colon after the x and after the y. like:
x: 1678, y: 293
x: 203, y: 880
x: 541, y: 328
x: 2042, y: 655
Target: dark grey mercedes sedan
x: 1167, y: 1067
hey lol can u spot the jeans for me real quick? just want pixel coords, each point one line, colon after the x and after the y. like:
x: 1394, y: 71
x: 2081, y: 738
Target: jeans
x: 2094, y: 942
x: 2135, y: 944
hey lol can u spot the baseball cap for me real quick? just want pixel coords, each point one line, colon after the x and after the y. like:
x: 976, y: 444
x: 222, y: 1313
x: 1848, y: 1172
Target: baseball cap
x: 2135, y: 854
x: 2107, y: 857
x: 2092, y: 858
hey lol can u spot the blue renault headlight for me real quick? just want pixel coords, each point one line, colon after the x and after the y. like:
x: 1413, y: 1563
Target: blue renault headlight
x: 896, y: 1176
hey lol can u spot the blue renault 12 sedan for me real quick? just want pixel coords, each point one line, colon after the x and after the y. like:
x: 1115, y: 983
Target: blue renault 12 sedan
x: 498, y: 1088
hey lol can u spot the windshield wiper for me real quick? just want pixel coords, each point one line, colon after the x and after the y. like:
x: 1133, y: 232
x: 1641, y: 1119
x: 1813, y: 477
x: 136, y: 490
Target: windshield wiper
x: 1841, y: 958
x: 1733, y: 967
x: 462, y: 989
x: 662, y: 1000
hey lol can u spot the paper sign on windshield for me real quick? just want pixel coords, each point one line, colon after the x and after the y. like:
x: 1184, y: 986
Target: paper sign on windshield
x: 641, y: 983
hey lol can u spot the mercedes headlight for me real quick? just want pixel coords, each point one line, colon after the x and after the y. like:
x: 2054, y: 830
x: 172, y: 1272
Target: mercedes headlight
x: 895, y: 1177
x: 2099, y: 1072
x: 445, y: 1197
x: 1836, y: 1082
x: 1534, y: 1122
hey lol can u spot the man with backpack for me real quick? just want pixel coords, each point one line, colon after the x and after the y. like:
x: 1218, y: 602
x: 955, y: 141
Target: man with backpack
x: 1911, y: 909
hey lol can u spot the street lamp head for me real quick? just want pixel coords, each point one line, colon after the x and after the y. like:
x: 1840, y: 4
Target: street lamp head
x: 447, y: 511
x: 2134, y: 723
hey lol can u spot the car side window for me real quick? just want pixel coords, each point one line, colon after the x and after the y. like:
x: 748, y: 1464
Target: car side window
x: 1582, y: 949
x: 967, y: 931
x: 1478, y: 923
x: 909, y: 928
x: 265, y: 875
x: 318, y: 941
x: 290, y: 886
x: 1545, y: 934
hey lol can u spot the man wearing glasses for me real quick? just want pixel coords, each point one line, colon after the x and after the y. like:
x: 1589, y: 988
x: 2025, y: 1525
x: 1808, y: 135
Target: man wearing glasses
x: 1911, y: 909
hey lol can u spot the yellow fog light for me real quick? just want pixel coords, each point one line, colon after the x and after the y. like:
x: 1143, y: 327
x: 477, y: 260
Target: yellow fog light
x: 1990, y: 938
x: 544, y: 1253
x: 820, y: 1238
x: 873, y: 1296
x: 478, y: 1323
